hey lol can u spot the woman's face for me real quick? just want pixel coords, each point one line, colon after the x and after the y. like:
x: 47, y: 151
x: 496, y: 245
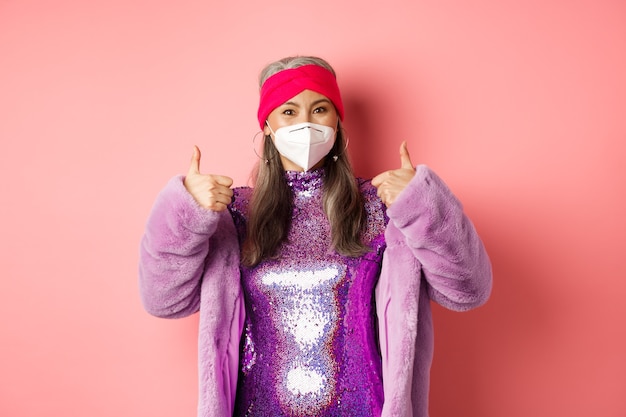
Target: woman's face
x: 308, y: 106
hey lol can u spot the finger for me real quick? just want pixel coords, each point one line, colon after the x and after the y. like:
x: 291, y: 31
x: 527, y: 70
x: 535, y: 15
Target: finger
x: 218, y: 207
x: 379, y: 179
x: 223, y: 180
x: 383, y: 194
x: 220, y: 201
x: 194, y: 167
x: 220, y: 191
x: 405, y: 158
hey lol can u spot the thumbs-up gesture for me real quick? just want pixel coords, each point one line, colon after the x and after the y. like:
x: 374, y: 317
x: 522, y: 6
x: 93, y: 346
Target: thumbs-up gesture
x: 210, y: 191
x: 391, y: 183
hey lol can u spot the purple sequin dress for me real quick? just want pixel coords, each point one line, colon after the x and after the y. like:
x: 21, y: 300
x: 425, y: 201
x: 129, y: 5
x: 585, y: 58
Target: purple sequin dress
x: 309, y: 346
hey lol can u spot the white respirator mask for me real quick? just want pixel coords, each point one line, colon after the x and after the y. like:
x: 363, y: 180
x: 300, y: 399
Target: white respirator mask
x: 304, y: 144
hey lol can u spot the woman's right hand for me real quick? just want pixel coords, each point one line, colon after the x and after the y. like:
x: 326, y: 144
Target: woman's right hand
x: 212, y: 192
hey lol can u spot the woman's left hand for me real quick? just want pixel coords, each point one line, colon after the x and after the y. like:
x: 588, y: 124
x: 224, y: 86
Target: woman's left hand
x: 391, y: 183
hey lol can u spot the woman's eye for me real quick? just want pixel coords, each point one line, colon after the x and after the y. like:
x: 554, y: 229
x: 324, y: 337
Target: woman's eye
x: 319, y: 110
x: 289, y: 112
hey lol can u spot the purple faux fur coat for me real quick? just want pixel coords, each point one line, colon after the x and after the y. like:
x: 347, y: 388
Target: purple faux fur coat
x: 189, y: 262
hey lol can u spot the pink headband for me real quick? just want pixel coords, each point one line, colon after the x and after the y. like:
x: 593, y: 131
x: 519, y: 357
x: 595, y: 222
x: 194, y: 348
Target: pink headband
x: 288, y: 83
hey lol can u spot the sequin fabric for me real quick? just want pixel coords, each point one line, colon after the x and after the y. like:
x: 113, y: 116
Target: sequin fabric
x: 309, y: 346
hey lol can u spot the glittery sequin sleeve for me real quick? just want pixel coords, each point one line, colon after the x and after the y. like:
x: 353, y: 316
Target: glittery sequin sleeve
x: 376, y: 211
x: 239, y: 209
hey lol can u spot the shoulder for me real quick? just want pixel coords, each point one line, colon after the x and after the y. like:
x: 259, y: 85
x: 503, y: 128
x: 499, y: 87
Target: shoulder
x: 241, y: 201
x: 239, y: 207
x: 370, y: 195
x: 374, y: 207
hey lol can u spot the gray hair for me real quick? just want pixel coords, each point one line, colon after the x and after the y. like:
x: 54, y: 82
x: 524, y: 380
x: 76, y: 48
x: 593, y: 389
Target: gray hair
x: 290, y: 63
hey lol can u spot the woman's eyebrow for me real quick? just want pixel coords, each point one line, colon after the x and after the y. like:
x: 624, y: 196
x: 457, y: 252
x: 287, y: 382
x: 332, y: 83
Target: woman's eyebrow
x: 321, y: 100
x: 293, y: 103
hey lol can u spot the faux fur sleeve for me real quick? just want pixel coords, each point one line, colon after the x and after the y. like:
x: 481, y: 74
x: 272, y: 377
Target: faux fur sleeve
x: 444, y: 241
x: 173, y: 250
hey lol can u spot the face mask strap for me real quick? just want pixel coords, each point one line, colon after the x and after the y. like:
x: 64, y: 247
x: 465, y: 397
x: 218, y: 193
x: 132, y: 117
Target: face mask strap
x: 270, y: 127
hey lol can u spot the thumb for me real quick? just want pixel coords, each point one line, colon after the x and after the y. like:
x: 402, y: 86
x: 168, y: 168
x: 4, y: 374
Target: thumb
x: 405, y: 158
x: 194, y: 167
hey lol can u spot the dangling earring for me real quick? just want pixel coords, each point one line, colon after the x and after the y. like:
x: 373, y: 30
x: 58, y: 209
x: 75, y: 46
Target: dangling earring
x: 265, y: 160
x: 344, y: 134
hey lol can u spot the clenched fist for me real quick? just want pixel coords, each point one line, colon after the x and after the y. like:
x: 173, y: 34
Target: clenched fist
x: 391, y: 183
x: 212, y: 192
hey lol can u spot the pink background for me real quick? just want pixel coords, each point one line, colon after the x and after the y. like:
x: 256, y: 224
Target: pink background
x: 519, y: 105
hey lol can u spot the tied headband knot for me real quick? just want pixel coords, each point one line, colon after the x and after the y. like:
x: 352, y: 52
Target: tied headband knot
x: 288, y: 83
